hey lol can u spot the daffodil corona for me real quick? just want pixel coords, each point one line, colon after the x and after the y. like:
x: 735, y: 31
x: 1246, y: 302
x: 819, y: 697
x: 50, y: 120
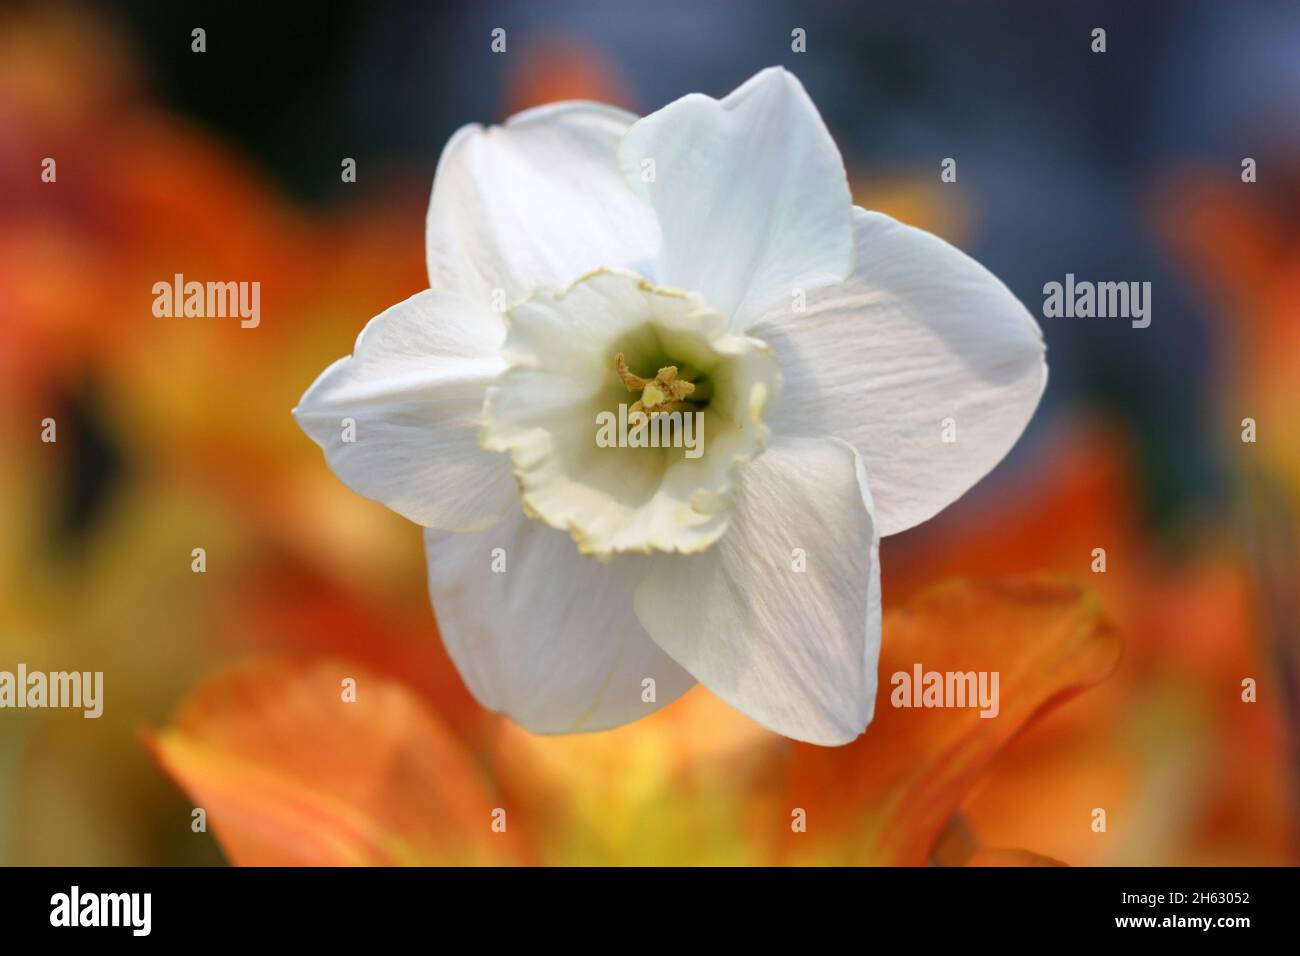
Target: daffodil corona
x: 703, y: 261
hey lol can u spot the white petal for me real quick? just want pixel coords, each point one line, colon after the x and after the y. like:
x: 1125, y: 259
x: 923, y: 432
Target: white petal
x: 551, y: 641
x: 750, y: 192
x: 919, y: 334
x: 414, y: 389
x: 536, y: 202
x: 795, y: 650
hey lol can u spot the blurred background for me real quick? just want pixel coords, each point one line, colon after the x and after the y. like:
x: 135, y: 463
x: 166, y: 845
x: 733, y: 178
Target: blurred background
x: 176, y: 434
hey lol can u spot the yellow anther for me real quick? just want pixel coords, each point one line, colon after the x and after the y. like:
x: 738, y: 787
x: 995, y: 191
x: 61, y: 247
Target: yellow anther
x: 658, y: 394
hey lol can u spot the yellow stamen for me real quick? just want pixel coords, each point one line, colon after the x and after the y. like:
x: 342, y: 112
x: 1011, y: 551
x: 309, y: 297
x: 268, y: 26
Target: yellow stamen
x: 658, y: 394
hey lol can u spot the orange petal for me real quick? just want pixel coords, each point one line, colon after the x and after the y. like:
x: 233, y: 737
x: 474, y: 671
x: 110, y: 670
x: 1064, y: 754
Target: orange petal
x: 290, y: 774
x: 959, y: 846
x: 558, y: 67
x: 1077, y: 492
x: 684, y: 786
x: 887, y: 797
x: 987, y: 856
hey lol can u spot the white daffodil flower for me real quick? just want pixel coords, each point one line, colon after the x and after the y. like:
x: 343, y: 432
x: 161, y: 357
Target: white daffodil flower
x: 706, y: 258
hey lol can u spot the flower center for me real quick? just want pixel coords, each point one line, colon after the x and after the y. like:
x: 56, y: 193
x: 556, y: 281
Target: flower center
x: 666, y: 392
x: 589, y: 464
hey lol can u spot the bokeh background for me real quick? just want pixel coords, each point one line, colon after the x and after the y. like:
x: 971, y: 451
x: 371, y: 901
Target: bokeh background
x: 222, y: 687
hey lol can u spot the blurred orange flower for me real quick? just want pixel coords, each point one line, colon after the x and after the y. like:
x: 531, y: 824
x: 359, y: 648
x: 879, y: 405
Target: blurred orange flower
x: 288, y: 769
